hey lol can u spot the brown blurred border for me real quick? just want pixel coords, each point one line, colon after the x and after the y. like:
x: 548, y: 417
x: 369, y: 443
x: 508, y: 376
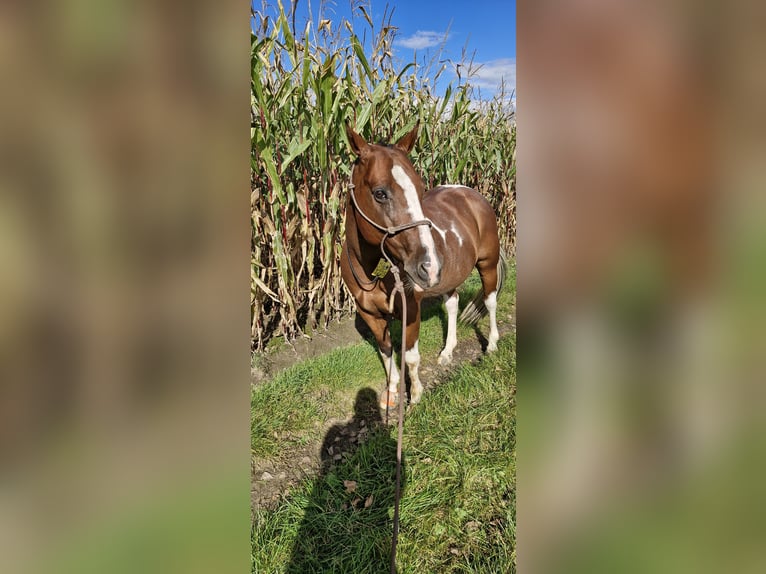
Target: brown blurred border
x: 124, y: 234
x: 640, y: 285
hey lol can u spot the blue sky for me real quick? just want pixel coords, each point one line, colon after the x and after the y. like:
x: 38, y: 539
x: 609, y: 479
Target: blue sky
x: 486, y: 27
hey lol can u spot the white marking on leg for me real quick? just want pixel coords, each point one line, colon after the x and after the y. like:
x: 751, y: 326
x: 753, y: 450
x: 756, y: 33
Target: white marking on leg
x: 491, y: 303
x: 416, y: 212
x: 412, y: 358
x: 392, y: 373
x: 451, y: 303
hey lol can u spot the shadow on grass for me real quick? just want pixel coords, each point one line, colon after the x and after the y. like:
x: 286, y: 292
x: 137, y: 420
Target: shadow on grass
x: 481, y: 338
x: 347, y: 524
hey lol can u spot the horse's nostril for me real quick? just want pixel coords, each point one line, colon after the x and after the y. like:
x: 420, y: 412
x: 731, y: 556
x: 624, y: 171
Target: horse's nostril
x: 423, y: 270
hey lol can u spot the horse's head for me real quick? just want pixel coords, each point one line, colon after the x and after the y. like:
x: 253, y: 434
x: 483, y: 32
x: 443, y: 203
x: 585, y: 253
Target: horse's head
x: 388, y: 190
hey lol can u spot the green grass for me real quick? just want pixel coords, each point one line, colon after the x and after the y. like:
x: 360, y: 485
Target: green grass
x: 458, y: 504
x: 291, y: 406
x: 460, y: 499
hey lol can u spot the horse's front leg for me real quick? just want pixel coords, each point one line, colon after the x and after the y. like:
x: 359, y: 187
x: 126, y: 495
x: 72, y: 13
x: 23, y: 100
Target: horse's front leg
x: 379, y: 327
x: 389, y: 397
x: 411, y: 354
x: 451, y: 303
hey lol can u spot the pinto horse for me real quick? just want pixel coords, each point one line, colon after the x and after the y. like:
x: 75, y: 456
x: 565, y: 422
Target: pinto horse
x: 435, y: 237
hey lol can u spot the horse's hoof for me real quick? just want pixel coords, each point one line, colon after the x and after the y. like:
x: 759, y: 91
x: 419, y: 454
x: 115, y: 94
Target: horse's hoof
x: 416, y: 391
x: 492, y: 347
x: 388, y: 399
x: 444, y: 359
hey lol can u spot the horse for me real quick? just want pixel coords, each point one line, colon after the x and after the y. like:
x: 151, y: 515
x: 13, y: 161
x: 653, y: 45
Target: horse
x: 434, y: 237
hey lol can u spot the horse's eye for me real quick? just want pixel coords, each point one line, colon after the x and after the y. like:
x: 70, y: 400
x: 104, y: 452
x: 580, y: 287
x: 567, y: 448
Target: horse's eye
x: 380, y: 195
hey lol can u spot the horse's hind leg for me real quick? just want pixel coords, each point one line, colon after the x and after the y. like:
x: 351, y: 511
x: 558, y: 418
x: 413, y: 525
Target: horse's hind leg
x: 488, y: 271
x: 451, y: 303
x: 491, y: 303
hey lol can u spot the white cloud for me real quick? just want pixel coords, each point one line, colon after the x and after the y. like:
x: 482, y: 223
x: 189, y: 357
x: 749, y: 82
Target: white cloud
x: 491, y: 74
x: 422, y: 39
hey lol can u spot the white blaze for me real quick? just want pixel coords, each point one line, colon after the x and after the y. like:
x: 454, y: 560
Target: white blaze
x: 416, y: 212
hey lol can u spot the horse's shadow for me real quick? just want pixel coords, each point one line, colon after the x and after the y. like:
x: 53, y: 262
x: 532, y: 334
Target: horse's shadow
x: 347, y: 525
x: 483, y: 341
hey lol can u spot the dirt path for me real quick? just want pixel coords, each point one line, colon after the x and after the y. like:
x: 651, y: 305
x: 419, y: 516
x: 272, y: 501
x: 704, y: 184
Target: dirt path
x: 273, y: 477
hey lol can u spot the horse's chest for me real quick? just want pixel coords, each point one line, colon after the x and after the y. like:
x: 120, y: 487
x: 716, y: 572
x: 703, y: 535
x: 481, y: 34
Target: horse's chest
x: 375, y: 301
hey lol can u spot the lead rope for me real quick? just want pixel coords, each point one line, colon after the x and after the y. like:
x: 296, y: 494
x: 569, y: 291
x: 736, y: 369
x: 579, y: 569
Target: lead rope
x: 398, y: 287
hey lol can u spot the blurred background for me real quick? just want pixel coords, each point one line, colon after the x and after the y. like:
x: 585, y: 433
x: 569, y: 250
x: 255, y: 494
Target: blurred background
x: 124, y: 332
x: 641, y: 279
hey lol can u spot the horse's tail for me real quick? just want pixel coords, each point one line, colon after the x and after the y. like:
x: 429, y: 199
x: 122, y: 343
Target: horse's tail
x: 475, y: 309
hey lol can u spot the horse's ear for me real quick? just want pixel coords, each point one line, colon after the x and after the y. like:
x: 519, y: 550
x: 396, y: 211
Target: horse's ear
x: 358, y: 145
x: 407, y: 141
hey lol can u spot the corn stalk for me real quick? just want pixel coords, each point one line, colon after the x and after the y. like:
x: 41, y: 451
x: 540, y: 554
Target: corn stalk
x: 305, y: 85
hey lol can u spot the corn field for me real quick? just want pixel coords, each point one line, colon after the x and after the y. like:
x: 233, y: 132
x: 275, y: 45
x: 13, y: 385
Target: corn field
x: 305, y: 85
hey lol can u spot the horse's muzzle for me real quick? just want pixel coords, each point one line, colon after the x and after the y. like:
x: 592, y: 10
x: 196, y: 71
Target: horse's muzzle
x: 427, y: 273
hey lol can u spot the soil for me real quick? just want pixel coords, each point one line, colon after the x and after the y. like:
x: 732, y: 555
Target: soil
x: 273, y: 478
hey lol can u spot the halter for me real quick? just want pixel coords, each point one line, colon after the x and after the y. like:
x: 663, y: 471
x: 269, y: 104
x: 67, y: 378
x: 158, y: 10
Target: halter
x: 387, y: 232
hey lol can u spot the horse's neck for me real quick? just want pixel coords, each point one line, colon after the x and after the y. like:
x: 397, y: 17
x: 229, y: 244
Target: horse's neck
x: 365, y: 254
